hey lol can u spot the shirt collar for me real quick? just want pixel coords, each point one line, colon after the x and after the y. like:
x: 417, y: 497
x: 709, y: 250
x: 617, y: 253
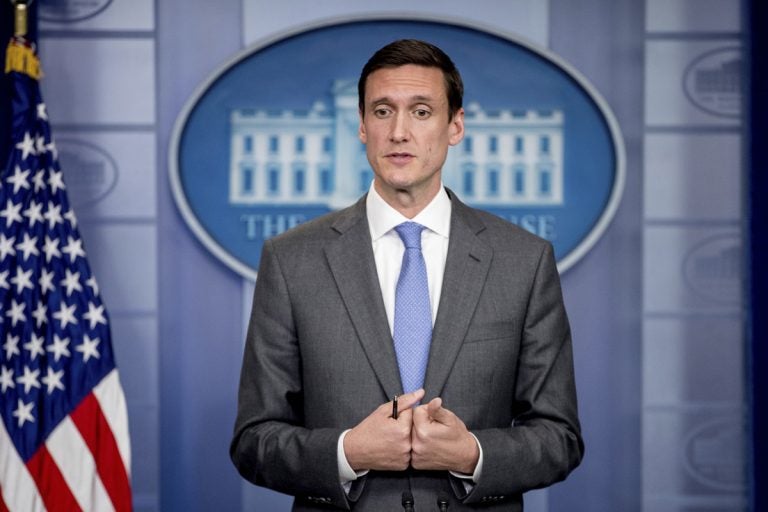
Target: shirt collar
x: 382, y: 218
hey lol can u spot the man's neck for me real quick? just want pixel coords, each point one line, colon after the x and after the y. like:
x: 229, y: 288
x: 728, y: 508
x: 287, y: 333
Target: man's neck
x: 410, y: 202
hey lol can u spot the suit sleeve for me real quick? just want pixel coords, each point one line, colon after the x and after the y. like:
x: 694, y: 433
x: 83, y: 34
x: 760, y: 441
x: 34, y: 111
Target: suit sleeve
x: 270, y: 447
x: 544, y: 442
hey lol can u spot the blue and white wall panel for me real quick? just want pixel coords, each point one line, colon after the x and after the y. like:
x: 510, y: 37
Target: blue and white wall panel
x: 100, y: 88
x: 693, y: 412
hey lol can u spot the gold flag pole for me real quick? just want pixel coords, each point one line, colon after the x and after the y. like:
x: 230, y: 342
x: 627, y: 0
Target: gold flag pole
x: 20, y: 55
x: 20, y: 17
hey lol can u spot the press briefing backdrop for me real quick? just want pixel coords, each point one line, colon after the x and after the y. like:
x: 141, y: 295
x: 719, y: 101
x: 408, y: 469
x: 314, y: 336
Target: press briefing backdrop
x: 655, y: 303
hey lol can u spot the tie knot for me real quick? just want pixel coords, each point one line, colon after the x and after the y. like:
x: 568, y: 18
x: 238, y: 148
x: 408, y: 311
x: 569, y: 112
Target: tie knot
x: 410, y: 234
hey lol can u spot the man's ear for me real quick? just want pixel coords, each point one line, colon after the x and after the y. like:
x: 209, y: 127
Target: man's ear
x: 361, y: 130
x: 456, y: 128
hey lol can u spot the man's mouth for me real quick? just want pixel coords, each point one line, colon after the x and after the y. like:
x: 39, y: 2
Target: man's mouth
x: 399, y: 157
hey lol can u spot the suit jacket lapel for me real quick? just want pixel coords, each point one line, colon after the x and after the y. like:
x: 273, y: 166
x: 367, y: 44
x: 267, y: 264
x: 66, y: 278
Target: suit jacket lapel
x: 466, y: 268
x: 350, y: 258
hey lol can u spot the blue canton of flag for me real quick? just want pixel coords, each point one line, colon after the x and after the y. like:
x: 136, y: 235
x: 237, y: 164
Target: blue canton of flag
x: 63, y: 438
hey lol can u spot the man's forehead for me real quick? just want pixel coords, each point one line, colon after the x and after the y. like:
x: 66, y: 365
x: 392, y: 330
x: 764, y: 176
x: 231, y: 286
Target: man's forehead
x: 410, y: 81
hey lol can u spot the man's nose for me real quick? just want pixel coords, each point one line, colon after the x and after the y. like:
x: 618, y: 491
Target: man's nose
x: 400, y: 128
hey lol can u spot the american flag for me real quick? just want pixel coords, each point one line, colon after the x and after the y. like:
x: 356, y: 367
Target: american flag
x: 64, y: 441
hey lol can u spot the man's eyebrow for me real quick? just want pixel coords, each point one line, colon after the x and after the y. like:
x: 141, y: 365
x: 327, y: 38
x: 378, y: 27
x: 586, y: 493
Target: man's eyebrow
x: 413, y: 99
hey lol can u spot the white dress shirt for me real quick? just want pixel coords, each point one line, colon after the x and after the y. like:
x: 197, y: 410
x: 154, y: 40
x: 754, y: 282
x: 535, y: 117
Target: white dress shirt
x: 388, y: 251
x: 388, y: 248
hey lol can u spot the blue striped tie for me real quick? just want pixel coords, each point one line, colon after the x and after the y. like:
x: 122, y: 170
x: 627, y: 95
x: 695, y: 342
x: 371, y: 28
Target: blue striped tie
x: 413, y: 316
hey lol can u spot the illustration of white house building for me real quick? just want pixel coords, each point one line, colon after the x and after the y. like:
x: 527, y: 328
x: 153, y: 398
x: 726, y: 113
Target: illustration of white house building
x: 292, y: 157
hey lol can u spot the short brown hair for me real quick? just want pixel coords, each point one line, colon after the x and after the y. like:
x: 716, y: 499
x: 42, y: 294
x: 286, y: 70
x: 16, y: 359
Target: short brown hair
x: 412, y: 51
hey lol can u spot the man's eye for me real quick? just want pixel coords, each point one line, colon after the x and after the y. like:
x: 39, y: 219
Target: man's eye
x: 422, y: 113
x: 381, y: 112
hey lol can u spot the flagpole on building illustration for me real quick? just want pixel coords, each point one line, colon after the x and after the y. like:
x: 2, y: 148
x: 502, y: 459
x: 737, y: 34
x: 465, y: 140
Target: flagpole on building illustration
x: 64, y: 441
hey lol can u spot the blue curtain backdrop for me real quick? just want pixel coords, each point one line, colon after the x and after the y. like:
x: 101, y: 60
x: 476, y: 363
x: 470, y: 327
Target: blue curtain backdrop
x: 758, y: 217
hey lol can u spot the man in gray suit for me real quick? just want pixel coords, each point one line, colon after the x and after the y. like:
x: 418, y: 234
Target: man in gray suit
x: 490, y: 412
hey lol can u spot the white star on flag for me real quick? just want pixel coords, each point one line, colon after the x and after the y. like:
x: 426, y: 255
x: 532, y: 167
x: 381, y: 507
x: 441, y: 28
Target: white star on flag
x: 22, y: 280
x: 66, y: 315
x: 71, y: 282
x: 6, y: 246
x: 40, y: 145
x: 95, y: 315
x: 24, y: 412
x: 27, y: 146
x: 11, y: 346
x: 29, y: 379
x: 28, y: 246
x: 16, y: 313
x: 46, y: 281
x: 52, y: 380
x: 74, y: 249
x: 88, y: 348
x: 93, y: 285
x: 40, y: 314
x: 56, y: 181
x: 19, y: 179
x: 11, y: 213
x: 6, y: 379
x: 53, y: 215
x: 34, y: 213
x: 34, y: 347
x: 59, y: 347
x: 41, y: 112
x: 39, y: 180
x: 51, y: 248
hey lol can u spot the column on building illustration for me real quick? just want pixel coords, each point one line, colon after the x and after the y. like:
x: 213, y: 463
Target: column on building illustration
x: 353, y: 172
x: 508, y: 157
x: 281, y: 157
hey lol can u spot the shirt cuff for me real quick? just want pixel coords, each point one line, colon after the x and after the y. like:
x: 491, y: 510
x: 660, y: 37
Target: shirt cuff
x: 469, y: 481
x: 347, y: 475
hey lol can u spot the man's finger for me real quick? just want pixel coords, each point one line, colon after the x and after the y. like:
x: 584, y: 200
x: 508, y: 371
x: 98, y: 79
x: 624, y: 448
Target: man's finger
x: 437, y: 412
x: 408, y: 400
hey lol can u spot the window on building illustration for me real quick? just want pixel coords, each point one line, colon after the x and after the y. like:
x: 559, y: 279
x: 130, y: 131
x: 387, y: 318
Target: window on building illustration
x: 545, y: 181
x: 246, y: 180
x: 248, y: 144
x: 326, y: 181
x: 299, y: 180
x: 467, y: 145
x: 274, y: 144
x: 518, y: 180
x: 327, y: 145
x: 544, y: 144
x: 273, y: 180
x: 493, y: 145
x: 493, y: 181
x: 468, y: 179
x: 366, y: 175
x: 299, y: 145
x: 519, y: 147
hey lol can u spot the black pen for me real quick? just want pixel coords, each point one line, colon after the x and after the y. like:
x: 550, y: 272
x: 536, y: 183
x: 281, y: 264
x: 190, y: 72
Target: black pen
x: 394, y: 407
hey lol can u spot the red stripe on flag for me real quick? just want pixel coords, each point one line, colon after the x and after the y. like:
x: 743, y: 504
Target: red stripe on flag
x: 50, y: 482
x: 3, y: 506
x: 93, y: 426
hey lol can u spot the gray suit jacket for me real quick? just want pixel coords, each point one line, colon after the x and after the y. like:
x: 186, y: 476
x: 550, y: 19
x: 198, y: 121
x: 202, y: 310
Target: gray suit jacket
x: 319, y: 358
